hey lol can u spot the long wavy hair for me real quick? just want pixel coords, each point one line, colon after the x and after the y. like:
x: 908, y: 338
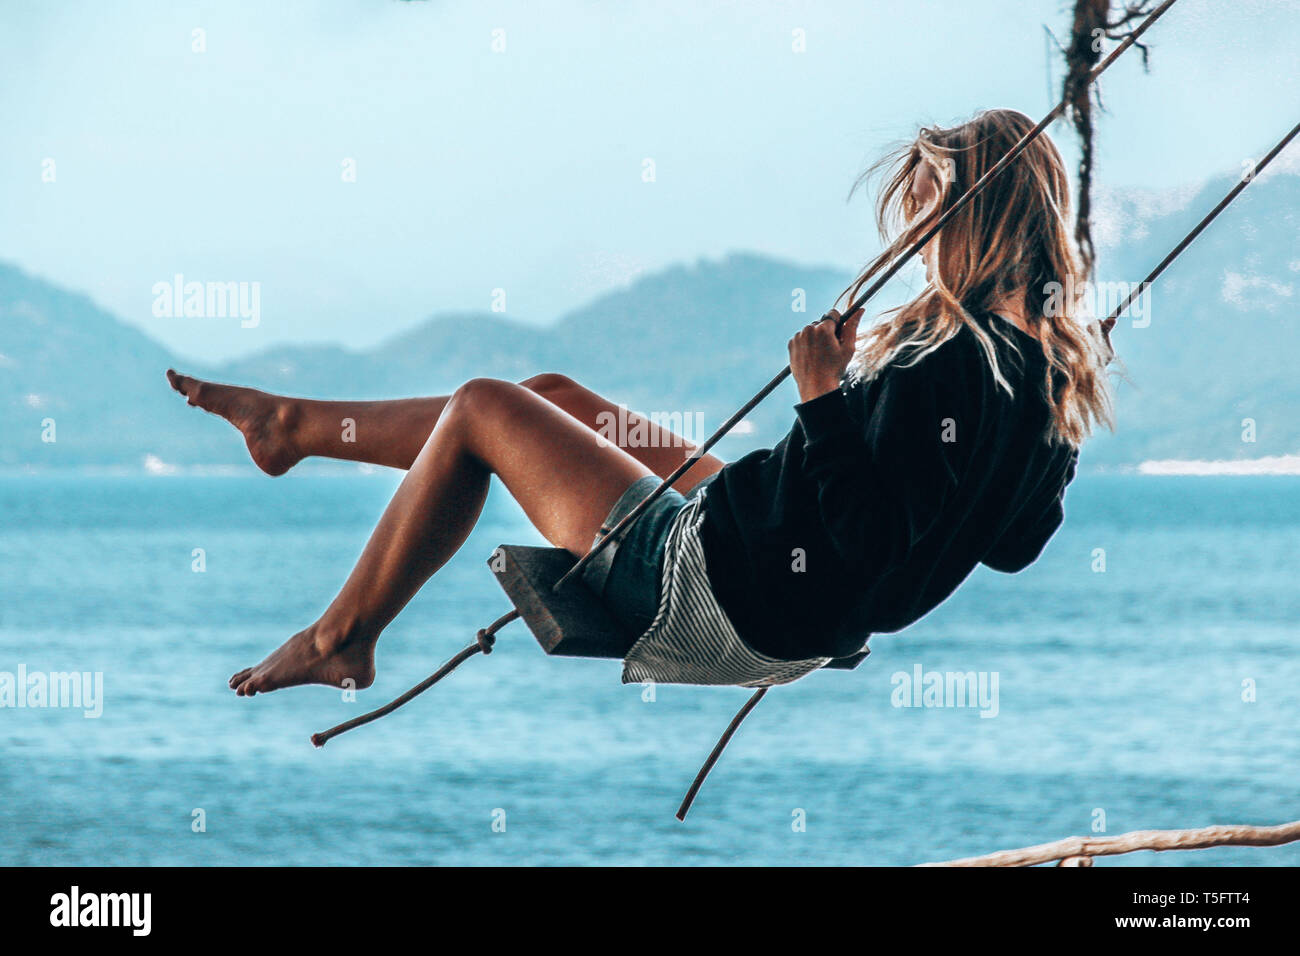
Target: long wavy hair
x: 1013, y: 240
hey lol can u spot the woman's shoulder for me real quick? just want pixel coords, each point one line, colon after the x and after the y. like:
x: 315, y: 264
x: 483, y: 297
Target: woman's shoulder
x: 958, y: 364
x: 952, y: 362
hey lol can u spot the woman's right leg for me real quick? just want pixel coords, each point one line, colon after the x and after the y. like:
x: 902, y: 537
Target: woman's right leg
x: 559, y: 472
x: 281, y: 431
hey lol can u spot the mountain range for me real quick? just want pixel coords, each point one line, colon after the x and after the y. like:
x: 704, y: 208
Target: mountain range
x: 1221, y: 346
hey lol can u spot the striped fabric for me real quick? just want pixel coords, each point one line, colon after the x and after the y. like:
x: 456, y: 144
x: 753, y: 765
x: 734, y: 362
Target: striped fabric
x: 691, y: 640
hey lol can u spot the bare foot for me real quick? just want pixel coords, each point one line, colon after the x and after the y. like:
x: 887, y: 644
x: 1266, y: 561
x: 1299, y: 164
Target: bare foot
x: 309, y: 658
x: 265, y: 420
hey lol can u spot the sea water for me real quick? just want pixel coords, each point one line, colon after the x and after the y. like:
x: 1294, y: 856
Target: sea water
x: 1144, y: 673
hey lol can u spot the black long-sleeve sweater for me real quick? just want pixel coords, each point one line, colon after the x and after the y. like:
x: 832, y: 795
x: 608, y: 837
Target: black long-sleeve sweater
x: 884, y: 496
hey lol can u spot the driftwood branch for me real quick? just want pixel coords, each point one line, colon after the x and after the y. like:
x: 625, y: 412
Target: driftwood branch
x: 1070, y: 850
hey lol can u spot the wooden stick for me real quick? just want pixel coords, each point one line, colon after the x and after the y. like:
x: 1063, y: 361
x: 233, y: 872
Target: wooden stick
x: 1072, y: 847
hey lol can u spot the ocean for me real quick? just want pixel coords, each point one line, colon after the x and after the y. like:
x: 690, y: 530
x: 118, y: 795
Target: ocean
x: 1142, y: 674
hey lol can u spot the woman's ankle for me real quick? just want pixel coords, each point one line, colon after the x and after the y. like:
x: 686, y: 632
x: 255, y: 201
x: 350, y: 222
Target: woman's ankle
x: 339, y: 628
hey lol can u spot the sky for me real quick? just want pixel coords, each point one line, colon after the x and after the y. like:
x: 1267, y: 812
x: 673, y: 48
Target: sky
x: 371, y: 162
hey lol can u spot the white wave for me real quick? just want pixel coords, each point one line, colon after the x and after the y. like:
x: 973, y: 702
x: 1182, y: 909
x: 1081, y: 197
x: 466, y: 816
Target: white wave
x: 1270, y: 465
x: 156, y: 466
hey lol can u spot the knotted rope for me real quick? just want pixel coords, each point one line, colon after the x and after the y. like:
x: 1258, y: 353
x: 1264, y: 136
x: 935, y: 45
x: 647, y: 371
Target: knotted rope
x: 483, y: 642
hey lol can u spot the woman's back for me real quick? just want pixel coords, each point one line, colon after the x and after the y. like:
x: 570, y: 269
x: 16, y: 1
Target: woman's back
x: 884, y: 497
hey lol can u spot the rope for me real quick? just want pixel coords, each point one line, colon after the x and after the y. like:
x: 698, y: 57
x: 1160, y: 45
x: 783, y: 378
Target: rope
x: 1109, y: 322
x: 483, y: 642
x: 717, y: 751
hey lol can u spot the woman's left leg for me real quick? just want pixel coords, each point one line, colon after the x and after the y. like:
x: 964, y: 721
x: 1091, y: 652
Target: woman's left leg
x: 280, y: 431
x: 562, y: 474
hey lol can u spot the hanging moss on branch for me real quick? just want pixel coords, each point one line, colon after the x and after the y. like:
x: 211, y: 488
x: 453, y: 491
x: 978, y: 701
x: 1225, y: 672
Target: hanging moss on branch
x: 1095, y: 21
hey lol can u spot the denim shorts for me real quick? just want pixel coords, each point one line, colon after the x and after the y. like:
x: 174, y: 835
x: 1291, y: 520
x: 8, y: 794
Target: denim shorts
x: 627, y: 574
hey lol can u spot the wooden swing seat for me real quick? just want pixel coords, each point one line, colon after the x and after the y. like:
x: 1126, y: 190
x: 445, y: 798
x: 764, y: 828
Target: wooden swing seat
x: 572, y: 622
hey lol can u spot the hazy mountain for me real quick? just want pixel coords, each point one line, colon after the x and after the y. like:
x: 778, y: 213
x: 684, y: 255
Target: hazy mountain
x: 1221, y: 346
x: 64, y: 359
x: 1224, y: 336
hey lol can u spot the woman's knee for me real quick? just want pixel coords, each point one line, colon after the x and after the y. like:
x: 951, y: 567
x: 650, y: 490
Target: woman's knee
x: 548, y: 383
x: 482, y: 397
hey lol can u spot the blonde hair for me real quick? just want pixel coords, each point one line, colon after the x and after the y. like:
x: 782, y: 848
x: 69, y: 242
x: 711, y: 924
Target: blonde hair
x: 1012, y: 239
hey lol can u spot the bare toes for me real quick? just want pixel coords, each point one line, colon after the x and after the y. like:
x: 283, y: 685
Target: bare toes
x: 182, y: 383
x: 237, y: 679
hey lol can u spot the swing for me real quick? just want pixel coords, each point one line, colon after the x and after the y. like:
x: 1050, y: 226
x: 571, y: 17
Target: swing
x: 571, y: 621
x: 568, y: 620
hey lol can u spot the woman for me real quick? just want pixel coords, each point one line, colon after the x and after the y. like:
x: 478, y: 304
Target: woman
x: 941, y: 438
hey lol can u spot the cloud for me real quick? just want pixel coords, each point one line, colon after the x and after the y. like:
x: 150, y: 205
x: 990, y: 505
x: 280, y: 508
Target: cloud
x: 1253, y: 292
x: 1121, y: 215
